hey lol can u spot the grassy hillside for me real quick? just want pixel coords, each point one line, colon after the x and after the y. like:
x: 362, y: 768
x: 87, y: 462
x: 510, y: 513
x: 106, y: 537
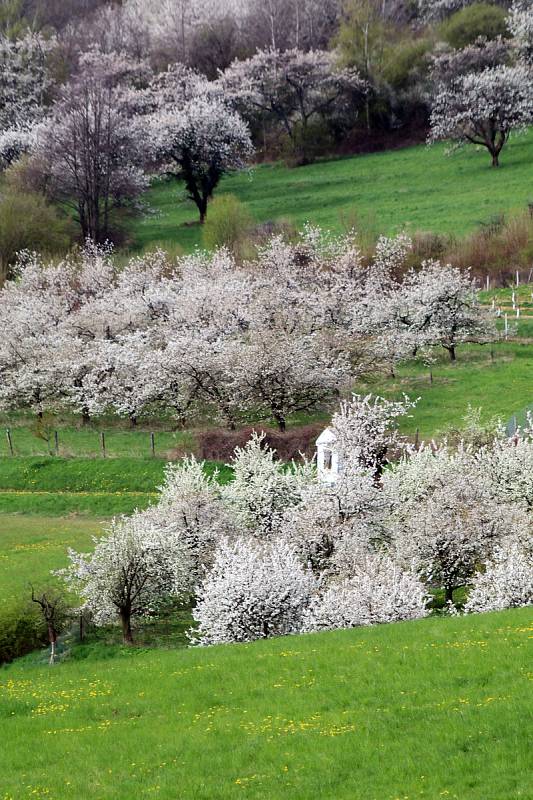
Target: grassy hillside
x: 31, y: 547
x: 501, y: 385
x: 414, y: 188
x: 99, y: 487
x: 436, y: 708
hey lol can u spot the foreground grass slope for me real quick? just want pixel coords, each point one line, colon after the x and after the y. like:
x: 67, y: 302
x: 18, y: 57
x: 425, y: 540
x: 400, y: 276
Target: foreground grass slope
x: 436, y: 708
x: 414, y: 188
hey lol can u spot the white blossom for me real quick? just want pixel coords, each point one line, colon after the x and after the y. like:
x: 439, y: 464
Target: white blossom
x: 506, y: 581
x: 484, y: 108
x: 263, y: 489
x: 377, y: 591
x: 254, y: 591
x: 133, y: 568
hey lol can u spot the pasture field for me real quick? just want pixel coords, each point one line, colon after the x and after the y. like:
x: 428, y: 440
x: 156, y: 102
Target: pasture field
x: 500, y: 384
x: 30, y: 547
x: 416, y: 188
x: 94, y: 486
x: 439, y: 708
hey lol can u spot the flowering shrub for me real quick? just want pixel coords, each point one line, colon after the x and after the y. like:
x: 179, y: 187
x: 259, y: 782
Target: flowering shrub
x: 254, y: 591
x: 378, y: 590
x: 506, y: 582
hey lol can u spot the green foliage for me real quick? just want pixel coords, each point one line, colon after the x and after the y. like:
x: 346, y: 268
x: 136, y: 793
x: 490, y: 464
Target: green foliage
x: 479, y: 19
x: 362, y: 36
x: 434, y: 708
x: 21, y: 631
x: 307, y: 143
x: 28, y: 222
x: 12, y: 20
x: 228, y: 224
x: 413, y: 188
x: 405, y: 61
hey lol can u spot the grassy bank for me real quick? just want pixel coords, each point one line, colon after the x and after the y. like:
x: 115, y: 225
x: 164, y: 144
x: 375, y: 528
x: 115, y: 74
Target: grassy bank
x: 414, y: 188
x: 436, y: 708
x: 31, y: 547
x: 500, y: 384
x: 99, y: 487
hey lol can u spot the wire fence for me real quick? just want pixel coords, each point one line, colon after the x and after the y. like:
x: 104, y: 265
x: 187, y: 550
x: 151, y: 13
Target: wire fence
x: 71, y: 443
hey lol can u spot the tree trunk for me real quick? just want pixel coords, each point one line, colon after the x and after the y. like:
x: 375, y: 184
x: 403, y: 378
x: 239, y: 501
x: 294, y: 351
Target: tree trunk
x: 448, y: 594
x: 125, y: 619
x: 281, y: 422
x: 495, y: 160
x: 85, y: 416
x: 451, y: 350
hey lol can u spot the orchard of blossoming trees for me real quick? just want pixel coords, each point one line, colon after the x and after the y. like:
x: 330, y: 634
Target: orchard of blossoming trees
x: 91, y: 113
x: 289, y: 331
x: 277, y: 551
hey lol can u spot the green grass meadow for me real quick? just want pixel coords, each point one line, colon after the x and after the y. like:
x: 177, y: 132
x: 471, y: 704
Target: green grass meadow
x: 95, y: 486
x: 436, y: 708
x: 416, y: 188
x: 501, y: 385
x: 31, y: 547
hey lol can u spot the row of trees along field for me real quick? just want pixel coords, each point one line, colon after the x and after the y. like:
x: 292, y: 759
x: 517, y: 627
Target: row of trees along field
x: 92, y: 107
x: 278, y: 551
x: 287, y: 332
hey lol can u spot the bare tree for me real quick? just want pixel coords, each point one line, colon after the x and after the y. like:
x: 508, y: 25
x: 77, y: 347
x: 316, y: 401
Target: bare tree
x: 54, y: 612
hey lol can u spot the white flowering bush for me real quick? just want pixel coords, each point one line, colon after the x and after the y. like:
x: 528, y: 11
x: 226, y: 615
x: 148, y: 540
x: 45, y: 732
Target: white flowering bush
x: 190, y: 512
x: 366, y: 430
x: 377, y: 591
x: 520, y: 22
x: 508, y: 467
x: 254, y: 591
x: 263, y: 489
x: 506, y: 581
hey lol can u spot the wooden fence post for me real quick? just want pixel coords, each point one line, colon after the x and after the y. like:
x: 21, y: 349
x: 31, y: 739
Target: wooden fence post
x: 10, y: 441
x: 102, y: 443
x: 152, y: 444
x: 56, y: 442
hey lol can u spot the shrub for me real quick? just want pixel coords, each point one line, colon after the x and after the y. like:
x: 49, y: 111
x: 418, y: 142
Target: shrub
x: 467, y: 25
x: 252, y: 592
x: 507, y: 581
x: 227, y: 225
x: 219, y: 445
x: 499, y: 246
x: 405, y: 62
x: 378, y: 591
x: 21, y: 631
x: 28, y: 222
x: 308, y: 143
